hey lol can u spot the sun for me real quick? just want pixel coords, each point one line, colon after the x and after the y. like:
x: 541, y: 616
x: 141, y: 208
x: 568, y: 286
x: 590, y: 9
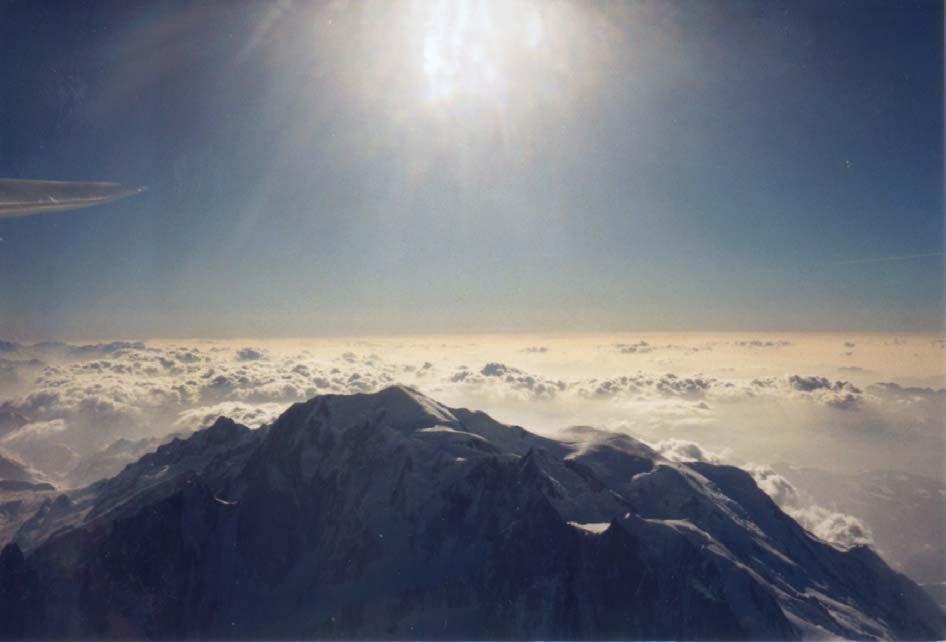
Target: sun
x: 456, y: 77
x: 471, y: 48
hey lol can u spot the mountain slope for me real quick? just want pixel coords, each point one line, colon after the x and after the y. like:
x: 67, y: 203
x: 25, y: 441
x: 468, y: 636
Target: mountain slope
x: 391, y: 516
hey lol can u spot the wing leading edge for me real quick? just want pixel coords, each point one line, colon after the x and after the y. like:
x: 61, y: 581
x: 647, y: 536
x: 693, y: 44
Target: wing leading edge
x: 25, y: 197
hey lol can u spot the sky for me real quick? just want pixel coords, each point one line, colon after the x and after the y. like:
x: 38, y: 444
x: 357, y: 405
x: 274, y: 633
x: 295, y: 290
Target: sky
x: 343, y: 168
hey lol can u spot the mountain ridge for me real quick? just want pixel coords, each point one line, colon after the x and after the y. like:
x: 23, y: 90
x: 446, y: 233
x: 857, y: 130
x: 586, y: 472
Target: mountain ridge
x: 389, y: 515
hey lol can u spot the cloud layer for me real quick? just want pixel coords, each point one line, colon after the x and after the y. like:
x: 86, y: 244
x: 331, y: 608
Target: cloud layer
x: 73, y: 413
x: 60, y: 403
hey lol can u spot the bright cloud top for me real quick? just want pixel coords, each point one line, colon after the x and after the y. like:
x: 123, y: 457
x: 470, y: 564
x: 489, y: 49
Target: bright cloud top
x: 73, y: 413
x: 63, y: 402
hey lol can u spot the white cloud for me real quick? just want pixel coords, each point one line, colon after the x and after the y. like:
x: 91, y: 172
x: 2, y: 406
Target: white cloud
x: 834, y: 527
x: 641, y: 347
x: 782, y: 491
x: 683, y: 450
x: 39, y: 444
x: 130, y: 389
x: 36, y: 430
x: 246, y: 414
x: 249, y: 354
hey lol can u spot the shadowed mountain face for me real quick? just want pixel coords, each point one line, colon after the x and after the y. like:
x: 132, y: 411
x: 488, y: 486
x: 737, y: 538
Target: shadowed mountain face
x: 391, y: 516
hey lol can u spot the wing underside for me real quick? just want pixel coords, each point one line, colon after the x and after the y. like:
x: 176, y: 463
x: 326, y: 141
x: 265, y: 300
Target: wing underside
x: 25, y: 197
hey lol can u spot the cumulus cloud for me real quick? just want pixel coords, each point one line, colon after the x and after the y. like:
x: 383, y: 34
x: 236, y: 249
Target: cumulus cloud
x: 776, y: 486
x: 494, y: 370
x: 246, y: 414
x: 834, y: 527
x: 645, y: 347
x: 82, y: 351
x: 641, y: 384
x: 809, y: 384
x: 910, y: 393
x: 757, y: 343
x: 503, y: 381
x: 249, y: 354
x: 129, y: 388
x: 845, y: 401
x: 834, y: 394
x: 16, y: 371
x: 102, y: 392
x: 36, y: 430
x: 682, y: 450
x: 640, y: 347
x: 39, y: 444
x: 10, y: 419
x: 11, y: 468
x: 107, y: 348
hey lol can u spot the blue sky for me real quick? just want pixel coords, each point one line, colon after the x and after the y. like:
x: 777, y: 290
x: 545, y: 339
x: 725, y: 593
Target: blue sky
x: 661, y: 166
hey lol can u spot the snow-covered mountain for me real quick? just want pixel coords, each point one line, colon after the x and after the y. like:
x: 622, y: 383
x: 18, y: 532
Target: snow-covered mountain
x: 391, y: 516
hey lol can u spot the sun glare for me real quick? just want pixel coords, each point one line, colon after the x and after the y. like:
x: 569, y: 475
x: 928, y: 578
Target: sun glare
x: 471, y: 47
x: 464, y: 76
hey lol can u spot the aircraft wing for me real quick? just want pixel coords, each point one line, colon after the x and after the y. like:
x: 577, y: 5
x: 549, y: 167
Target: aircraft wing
x: 24, y: 197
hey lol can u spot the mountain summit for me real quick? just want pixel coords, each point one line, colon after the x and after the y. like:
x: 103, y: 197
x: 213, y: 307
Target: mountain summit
x: 389, y: 515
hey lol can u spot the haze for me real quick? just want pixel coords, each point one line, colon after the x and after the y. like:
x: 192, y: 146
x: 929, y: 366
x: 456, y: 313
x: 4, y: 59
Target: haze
x: 717, y: 227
